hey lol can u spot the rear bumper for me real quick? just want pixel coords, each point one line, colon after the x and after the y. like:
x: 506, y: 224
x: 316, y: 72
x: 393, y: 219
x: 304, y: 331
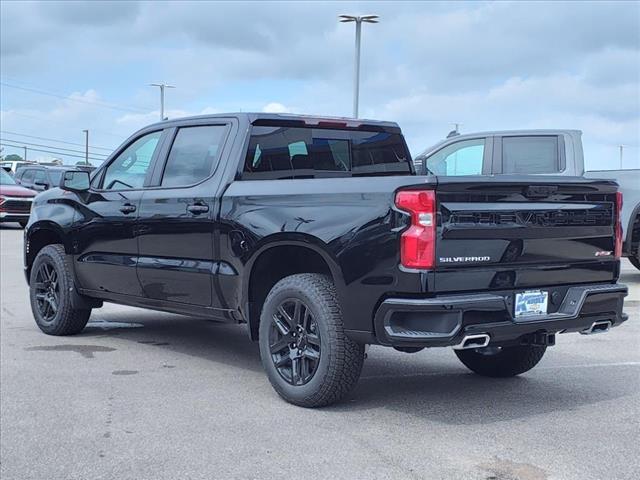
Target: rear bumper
x: 446, y: 320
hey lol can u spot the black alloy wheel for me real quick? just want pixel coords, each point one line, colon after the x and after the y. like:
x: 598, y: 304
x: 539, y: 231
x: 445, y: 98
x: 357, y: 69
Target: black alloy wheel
x: 294, y: 342
x: 47, y: 291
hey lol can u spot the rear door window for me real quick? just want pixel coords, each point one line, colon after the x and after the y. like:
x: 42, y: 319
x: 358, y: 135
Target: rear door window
x: 194, y: 155
x: 299, y: 152
x: 532, y: 154
x: 55, y: 176
x: 40, y: 177
x: 465, y: 157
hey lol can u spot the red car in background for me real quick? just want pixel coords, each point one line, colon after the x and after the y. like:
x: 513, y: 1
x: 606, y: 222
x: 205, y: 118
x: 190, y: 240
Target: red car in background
x: 15, y: 201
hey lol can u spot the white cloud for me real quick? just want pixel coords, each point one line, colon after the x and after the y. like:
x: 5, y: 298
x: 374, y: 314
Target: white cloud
x: 425, y: 65
x: 275, y: 107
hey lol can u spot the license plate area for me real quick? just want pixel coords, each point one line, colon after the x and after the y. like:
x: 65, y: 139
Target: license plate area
x: 531, y: 303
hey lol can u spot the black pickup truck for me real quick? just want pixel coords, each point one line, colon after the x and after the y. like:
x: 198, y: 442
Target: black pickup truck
x: 318, y: 235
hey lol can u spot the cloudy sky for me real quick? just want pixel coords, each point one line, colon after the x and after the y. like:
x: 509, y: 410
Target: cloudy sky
x: 71, y: 66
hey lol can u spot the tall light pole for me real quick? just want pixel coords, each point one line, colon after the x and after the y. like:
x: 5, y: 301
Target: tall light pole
x: 162, y: 86
x: 86, y: 147
x: 621, y: 147
x: 25, y: 153
x: 359, y: 20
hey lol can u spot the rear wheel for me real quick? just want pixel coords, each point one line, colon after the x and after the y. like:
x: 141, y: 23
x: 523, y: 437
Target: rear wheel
x: 307, y: 356
x: 50, y: 288
x: 501, y: 361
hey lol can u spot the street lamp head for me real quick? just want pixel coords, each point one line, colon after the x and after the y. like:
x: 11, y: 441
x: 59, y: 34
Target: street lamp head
x: 347, y: 18
x: 369, y: 18
x: 358, y: 18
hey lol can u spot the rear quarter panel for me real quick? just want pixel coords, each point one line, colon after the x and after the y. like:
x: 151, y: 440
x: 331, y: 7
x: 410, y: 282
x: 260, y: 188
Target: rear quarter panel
x: 351, y: 222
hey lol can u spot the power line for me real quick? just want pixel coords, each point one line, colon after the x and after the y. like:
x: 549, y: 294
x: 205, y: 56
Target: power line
x: 49, y: 146
x: 40, y: 119
x: 55, y: 140
x: 52, y: 152
x: 80, y: 100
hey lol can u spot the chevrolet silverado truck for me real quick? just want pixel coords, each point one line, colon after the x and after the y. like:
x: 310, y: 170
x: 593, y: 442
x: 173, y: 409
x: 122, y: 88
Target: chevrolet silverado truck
x: 317, y: 234
x: 536, y: 152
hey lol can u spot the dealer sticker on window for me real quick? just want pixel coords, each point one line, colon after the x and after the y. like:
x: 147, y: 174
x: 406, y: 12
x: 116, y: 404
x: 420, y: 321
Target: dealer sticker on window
x: 532, y: 302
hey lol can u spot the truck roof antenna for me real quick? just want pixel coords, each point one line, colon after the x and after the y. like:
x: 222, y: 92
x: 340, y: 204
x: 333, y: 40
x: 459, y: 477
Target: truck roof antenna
x: 455, y: 131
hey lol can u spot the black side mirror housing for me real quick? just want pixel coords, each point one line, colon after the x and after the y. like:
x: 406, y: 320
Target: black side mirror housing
x: 75, y: 181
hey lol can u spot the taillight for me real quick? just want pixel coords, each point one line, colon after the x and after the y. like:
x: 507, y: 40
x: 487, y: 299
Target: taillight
x: 618, y: 249
x: 418, y: 242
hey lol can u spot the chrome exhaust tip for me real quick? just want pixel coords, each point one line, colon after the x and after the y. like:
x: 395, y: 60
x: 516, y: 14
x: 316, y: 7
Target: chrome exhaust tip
x: 480, y: 340
x: 603, y: 326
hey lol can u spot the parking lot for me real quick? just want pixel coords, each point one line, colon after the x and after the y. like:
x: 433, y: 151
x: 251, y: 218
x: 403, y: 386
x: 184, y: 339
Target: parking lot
x: 146, y: 395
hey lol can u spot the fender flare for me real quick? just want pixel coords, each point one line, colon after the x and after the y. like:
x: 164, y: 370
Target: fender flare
x: 48, y: 225
x: 288, y: 239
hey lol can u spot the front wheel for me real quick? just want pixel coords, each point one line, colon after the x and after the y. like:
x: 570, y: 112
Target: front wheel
x: 307, y: 356
x: 501, y: 361
x: 50, y: 288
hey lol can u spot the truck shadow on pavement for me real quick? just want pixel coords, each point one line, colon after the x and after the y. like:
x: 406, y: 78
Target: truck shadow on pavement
x: 441, y: 389
x: 461, y: 398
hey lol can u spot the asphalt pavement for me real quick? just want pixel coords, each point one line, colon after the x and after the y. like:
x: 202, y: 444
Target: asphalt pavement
x: 147, y: 395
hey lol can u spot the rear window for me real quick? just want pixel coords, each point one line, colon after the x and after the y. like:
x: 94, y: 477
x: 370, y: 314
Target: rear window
x: 298, y: 152
x: 530, y: 154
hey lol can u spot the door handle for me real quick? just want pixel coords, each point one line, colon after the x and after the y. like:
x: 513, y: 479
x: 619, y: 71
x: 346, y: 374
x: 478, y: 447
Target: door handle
x: 127, y: 208
x: 198, y: 208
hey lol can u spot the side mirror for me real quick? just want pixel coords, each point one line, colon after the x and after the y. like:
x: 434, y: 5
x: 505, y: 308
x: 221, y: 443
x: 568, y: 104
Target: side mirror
x: 75, y: 181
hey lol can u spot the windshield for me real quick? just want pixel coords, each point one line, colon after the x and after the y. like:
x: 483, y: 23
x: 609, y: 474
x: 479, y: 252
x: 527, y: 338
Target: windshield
x: 5, y: 178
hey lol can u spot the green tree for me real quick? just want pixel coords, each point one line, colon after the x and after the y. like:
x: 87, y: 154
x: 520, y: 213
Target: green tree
x: 13, y: 158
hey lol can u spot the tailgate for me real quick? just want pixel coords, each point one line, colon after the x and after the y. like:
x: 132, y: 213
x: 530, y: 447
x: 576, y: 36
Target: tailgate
x: 521, y: 232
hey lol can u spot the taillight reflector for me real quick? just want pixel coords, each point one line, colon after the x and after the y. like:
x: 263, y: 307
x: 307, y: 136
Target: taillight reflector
x: 418, y: 242
x: 618, y: 249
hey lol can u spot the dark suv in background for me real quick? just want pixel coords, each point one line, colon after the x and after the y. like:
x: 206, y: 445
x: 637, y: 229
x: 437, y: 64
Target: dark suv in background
x: 41, y: 177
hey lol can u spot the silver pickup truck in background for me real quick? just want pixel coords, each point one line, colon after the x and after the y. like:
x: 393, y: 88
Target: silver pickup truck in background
x: 539, y: 152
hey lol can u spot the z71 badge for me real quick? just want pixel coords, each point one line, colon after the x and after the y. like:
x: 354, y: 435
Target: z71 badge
x: 464, y: 259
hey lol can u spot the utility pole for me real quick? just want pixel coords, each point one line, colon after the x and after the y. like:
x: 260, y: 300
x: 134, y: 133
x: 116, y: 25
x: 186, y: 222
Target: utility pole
x: 86, y: 147
x: 25, y: 153
x: 356, y: 80
x: 162, y: 86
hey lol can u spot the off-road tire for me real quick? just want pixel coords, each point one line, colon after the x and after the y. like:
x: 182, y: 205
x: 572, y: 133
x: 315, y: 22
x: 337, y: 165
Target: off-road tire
x: 508, y: 362
x: 67, y: 320
x: 341, y: 358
